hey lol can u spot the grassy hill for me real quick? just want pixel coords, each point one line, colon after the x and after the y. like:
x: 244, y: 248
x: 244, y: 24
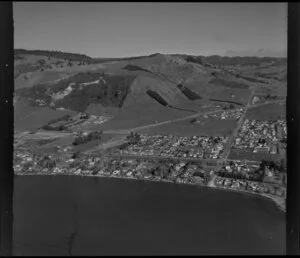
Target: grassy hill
x: 144, y: 88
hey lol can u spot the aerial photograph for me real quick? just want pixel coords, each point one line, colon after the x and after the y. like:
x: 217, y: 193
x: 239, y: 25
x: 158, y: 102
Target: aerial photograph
x: 149, y: 128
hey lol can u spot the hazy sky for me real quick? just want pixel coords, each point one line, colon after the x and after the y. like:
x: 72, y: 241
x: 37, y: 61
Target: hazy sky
x: 129, y: 29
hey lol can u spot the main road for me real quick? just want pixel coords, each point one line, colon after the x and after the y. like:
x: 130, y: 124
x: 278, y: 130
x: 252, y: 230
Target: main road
x: 240, y: 123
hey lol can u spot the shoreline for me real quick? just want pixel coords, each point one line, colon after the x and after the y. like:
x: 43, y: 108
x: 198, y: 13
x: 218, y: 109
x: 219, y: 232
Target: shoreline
x: 210, y: 184
x: 275, y: 200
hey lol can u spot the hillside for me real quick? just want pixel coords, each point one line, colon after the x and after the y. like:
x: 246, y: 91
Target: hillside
x: 157, y: 85
x: 79, y: 91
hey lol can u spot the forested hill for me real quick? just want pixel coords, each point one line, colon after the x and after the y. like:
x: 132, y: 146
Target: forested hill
x: 55, y: 54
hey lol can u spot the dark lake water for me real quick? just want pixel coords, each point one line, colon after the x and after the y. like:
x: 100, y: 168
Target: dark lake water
x: 61, y: 215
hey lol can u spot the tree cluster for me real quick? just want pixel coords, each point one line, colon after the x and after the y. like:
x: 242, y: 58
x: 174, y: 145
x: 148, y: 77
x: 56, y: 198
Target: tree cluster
x: 133, y: 138
x: 191, y: 95
x: 256, y: 176
x: 278, y: 165
x: 54, y: 54
x: 82, y: 139
x: 157, y: 97
x: 46, y: 162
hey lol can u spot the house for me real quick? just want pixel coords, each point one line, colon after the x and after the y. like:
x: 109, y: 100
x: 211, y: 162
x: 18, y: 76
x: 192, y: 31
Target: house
x: 227, y: 182
x: 228, y: 168
x: 273, y: 150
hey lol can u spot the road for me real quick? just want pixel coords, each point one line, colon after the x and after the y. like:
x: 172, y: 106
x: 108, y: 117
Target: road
x: 240, y: 123
x: 152, y: 157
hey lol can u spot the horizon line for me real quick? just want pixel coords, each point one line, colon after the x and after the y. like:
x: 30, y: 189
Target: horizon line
x: 147, y: 55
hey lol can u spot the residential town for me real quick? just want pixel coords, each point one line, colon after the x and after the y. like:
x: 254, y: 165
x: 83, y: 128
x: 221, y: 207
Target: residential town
x: 267, y: 178
x: 243, y: 185
x: 228, y: 114
x: 201, y: 147
x: 262, y: 136
x: 172, y: 171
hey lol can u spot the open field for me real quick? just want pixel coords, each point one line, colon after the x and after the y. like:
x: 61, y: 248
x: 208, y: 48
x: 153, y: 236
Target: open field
x: 63, y: 142
x: 139, y: 115
x: 207, y: 127
x: 275, y: 89
x: 240, y: 96
x: 67, y: 140
x: 272, y: 111
x: 39, y: 139
x: 32, y: 118
x: 248, y: 155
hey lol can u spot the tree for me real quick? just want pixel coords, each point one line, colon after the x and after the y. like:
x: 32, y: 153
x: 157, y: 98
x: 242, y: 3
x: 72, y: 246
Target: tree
x: 231, y: 106
x: 41, y: 62
x: 282, y: 167
x: 133, y: 138
x: 76, y: 155
x: 263, y: 164
x: 61, y: 128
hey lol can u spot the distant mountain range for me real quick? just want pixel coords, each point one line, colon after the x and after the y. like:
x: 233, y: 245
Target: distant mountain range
x: 257, y: 53
x: 254, y: 54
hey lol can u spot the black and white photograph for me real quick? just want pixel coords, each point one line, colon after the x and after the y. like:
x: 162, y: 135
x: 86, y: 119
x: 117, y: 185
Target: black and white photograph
x: 149, y: 128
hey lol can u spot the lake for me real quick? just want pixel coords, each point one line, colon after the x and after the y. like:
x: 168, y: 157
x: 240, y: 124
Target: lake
x: 72, y: 215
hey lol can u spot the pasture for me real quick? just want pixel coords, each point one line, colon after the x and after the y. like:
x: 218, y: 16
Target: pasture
x: 272, y: 111
x: 232, y: 95
x: 140, y: 115
x: 207, y: 127
x: 28, y: 118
